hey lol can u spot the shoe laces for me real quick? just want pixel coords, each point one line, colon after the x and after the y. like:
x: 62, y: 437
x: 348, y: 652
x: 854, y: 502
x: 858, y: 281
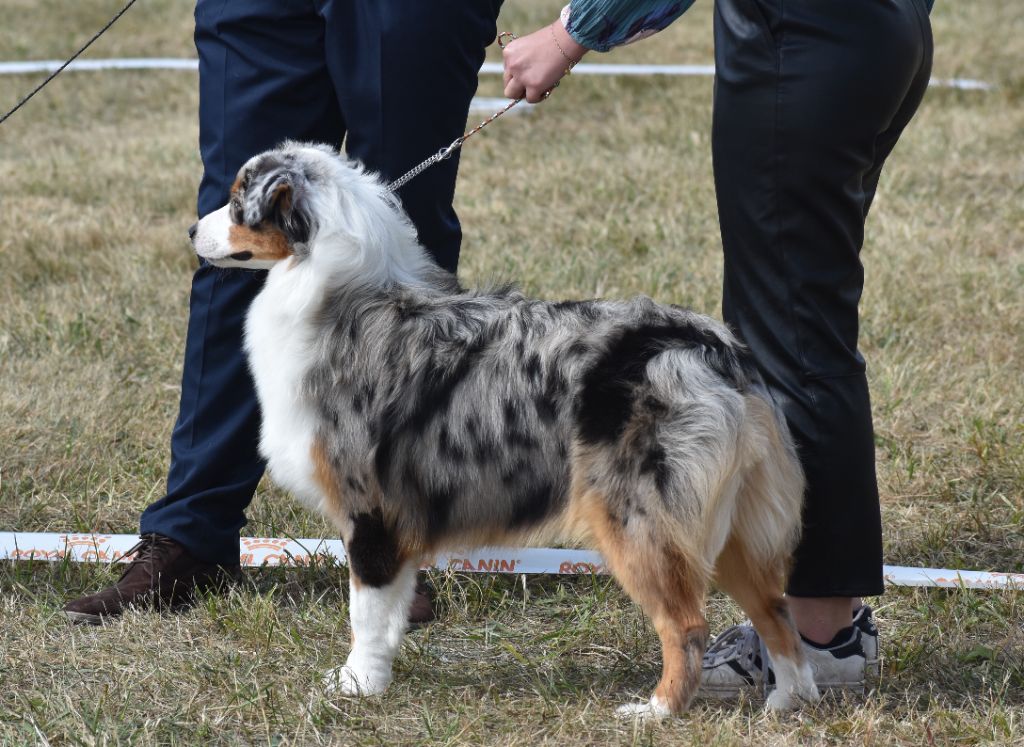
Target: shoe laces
x: 148, y: 550
x: 738, y: 643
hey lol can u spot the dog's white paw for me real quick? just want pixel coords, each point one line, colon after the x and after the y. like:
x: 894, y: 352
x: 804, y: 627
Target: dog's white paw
x: 779, y: 701
x: 351, y: 681
x: 809, y: 692
x: 654, y: 709
x: 786, y: 700
x: 794, y: 685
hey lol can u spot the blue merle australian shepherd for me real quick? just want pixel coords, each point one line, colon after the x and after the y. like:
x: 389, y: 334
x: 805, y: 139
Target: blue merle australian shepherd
x: 420, y: 416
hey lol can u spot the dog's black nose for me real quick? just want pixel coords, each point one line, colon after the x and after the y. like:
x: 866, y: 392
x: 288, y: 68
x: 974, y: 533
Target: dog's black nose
x: 192, y: 231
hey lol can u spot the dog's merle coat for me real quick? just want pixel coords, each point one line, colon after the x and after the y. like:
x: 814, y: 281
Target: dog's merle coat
x: 469, y: 402
x: 420, y: 416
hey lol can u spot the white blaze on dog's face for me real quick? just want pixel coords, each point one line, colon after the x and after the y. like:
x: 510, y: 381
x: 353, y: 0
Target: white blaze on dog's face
x: 266, y: 220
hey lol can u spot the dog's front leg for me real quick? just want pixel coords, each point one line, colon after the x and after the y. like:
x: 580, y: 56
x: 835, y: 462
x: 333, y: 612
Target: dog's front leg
x: 381, y: 589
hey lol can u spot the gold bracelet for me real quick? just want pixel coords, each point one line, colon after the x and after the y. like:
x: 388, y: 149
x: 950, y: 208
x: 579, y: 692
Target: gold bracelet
x: 570, y: 60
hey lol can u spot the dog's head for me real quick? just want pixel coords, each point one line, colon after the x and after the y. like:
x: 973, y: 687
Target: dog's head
x: 269, y: 217
x: 304, y: 202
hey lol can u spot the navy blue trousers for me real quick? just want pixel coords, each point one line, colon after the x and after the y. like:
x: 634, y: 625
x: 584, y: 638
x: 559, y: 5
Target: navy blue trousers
x: 810, y: 99
x: 393, y: 79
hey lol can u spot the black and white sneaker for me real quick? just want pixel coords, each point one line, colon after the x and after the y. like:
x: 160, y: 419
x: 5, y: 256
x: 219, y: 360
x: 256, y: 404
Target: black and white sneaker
x: 865, y: 622
x: 733, y: 663
x: 737, y: 660
x: 840, y: 664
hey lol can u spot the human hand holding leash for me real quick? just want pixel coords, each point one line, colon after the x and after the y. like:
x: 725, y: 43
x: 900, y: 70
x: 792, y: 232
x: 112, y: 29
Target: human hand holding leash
x: 534, y: 64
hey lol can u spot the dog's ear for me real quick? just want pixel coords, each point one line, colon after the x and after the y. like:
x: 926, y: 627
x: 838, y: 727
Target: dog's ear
x: 282, y: 204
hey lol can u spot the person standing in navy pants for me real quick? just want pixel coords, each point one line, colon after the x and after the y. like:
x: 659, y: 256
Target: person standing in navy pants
x: 392, y: 80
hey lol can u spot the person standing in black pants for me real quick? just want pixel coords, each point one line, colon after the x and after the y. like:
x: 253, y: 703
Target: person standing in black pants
x: 810, y: 99
x: 393, y: 79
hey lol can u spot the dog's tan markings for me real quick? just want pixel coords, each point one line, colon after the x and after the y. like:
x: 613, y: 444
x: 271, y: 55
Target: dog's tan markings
x: 327, y: 479
x: 267, y: 243
x: 334, y: 498
x: 659, y: 577
x: 758, y: 589
x: 681, y: 627
x: 283, y: 195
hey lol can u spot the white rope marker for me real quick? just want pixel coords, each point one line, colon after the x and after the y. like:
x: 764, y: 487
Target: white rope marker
x: 276, y: 551
x: 489, y: 68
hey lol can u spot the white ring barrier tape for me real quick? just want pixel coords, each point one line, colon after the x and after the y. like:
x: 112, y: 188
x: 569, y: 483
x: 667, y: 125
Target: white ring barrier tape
x: 489, y: 68
x: 276, y: 551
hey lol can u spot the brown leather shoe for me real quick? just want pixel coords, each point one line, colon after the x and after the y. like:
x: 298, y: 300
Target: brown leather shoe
x: 163, y: 575
x: 422, y: 610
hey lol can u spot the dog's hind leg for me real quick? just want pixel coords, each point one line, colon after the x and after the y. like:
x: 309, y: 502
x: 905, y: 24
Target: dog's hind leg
x: 669, y: 589
x: 758, y: 588
x: 752, y: 565
x: 381, y: 587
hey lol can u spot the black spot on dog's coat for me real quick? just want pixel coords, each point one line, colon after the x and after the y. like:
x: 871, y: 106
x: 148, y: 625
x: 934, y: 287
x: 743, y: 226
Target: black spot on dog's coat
x: 511, y: 413
x: 439, y: 504
x: 373, y: 553
x: 609, y: 386
x: 382, y: 459
x: 531, y: 367
x: 514, y: 472
x: 654, y: 463
x: 546, y: 410
x: 532, y: 506
x: 484, y: 451
x: 521, y: 439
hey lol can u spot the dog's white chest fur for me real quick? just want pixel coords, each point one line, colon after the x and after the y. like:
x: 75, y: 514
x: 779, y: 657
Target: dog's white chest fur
x: 278, y: 341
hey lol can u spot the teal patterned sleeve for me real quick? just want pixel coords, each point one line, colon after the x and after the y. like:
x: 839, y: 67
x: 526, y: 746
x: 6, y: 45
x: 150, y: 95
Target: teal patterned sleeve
x: 603, y: 24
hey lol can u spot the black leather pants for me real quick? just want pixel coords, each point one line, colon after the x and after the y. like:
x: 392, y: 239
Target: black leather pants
x: 810, y: 98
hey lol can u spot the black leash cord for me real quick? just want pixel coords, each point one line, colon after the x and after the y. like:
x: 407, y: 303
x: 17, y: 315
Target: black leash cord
x: 73, y: 57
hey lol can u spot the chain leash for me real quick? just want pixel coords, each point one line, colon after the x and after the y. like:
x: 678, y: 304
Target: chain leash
x: 503, y: 38
x: 447, y: 151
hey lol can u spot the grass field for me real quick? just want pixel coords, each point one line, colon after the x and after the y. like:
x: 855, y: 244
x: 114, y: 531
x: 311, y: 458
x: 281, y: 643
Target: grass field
x: 604, y: 190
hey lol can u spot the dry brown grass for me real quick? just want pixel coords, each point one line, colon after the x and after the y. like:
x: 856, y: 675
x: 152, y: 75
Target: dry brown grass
x: 604, y: 190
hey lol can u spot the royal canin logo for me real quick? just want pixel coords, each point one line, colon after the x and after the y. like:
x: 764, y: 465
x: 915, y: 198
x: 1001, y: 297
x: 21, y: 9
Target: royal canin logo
x: 271, y: 551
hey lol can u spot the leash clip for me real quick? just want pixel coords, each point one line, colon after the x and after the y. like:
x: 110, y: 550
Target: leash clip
x: 447, y: 151
x: 505, y: 38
